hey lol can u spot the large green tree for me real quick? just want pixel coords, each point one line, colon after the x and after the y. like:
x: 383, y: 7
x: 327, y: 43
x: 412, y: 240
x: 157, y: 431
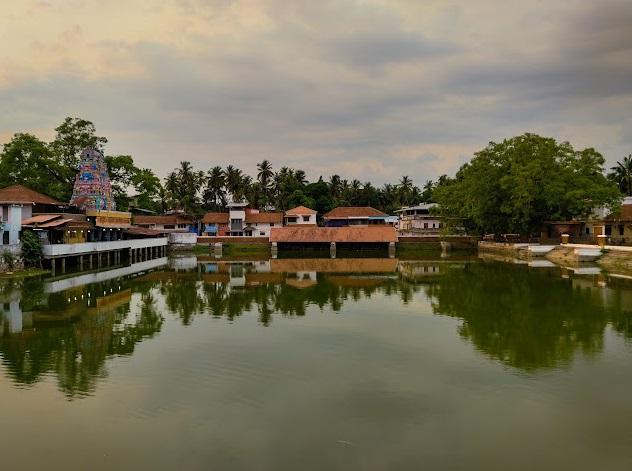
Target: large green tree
x: 518, y: 184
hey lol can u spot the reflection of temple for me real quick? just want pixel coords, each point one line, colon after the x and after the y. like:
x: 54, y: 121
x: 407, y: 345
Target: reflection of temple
x: 70, y: 329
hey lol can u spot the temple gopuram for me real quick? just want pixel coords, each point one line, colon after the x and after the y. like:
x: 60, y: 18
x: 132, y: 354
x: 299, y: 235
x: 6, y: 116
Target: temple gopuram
x: 92, y: 193
x: 93, y: 189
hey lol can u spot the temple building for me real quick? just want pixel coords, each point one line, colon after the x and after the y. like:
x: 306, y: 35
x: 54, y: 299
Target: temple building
x: 93, y: 189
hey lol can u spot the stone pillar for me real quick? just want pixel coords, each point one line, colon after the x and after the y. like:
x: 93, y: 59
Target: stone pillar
x: 81, y: 262
x: 565, y: 238
x: 332, y: 249
x: 90, y: 261
x: 391, y: 249
x: 217, y: 249
x: 274, y: 250
x: 601, y: 240
x: 52, y: 266
x: 63, y: 265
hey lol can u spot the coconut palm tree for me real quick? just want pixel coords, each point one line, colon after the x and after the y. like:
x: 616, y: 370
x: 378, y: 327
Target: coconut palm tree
x: 621, y: 174
x: 234, y: 184
x: 214, y: 194
x: 264, y: 177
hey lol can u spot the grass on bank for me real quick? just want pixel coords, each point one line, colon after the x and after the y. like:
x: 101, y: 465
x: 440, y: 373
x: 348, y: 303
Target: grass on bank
x: 26, y: 273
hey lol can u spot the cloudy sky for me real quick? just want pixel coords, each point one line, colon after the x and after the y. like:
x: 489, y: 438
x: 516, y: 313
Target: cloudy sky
x: 369, y: 89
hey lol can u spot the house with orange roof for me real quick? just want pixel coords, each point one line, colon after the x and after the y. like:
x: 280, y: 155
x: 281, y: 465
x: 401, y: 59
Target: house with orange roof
x: 240, y: 221
x: 18, y: 203
x: 354, y: 216
x: 300, y: 215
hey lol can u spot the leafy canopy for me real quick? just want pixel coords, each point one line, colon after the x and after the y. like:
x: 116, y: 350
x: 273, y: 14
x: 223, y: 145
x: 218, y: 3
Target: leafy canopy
x: 518, y: 184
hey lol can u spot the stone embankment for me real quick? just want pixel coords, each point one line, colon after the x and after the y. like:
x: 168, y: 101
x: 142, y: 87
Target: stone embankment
x: 611, y: 258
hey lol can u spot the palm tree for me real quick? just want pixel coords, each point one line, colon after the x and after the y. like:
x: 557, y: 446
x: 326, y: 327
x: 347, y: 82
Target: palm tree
x: 405, y: 190
x: 264, y: 177
x: 233, y: 178
x: 214, y: 195
x: 265, y: 172
x: 622, y: 175
x: 189, y: 183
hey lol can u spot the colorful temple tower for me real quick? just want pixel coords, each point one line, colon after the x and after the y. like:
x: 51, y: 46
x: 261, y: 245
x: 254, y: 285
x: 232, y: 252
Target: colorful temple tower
x: 93, y: 190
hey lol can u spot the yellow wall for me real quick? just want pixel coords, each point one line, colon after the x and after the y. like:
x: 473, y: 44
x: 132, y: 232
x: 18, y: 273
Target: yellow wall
x: 74, y: 236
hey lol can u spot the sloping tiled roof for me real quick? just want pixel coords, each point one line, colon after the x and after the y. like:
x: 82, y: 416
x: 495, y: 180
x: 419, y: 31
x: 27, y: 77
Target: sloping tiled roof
x: 40, y: 218
x: 165, y: 219
x: 143, y: 231
x: 351, y: 234
x: 215, y: 218
x: 299, y: 211
x: 344, y: 212
x: 22, y: 194
x: 252, y: 218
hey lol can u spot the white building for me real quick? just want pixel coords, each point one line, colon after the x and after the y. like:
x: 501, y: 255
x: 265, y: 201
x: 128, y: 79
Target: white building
x: 300, y: 215
x: 18, y: 203
x: 419, y: 219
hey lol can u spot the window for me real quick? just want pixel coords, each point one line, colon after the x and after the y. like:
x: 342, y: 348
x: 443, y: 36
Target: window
x: 621, y: 229
x: 235, y: 221
x: 169, y: 226
x: 262, y: 233
x: 305, y: 218
x: 271, y: 224
x: 425, y: 225
x: 5, y: 237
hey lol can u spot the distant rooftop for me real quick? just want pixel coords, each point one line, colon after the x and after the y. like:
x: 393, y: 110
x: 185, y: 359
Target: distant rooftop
x: 350, y: 212
x: 421, y: 207
x: 299, y: 211
x: 22, y: 194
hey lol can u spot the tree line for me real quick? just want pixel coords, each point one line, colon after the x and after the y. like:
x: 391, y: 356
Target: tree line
x: 512, y: 186
x: 51, y: 168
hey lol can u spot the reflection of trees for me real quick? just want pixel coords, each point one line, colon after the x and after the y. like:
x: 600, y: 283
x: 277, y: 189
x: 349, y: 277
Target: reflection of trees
x: 76, y: 351
x: 526, y: 319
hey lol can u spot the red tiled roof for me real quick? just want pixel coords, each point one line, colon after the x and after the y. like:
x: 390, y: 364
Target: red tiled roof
x: 299, y: 211
x: 276, y: 218
x: 314, y: 234
x: 215, y: 218
x: 40, y: 218
x: 344, y: 212
x: 164, y: 219
x: 22, y: 194
x: 143, y: 231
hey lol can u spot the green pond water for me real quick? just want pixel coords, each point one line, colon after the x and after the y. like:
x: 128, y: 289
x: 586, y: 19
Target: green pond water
x: 365, y: 364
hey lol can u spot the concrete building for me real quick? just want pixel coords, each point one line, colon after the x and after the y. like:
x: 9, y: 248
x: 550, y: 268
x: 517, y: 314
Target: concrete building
x: 300, y: 215
x: 240, y: 221
x: 18, y: 203
x: 419, y: 219
x: 166, y: 223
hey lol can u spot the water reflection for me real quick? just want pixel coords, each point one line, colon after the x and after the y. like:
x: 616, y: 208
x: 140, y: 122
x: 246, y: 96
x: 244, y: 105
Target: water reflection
x: 525, y: 317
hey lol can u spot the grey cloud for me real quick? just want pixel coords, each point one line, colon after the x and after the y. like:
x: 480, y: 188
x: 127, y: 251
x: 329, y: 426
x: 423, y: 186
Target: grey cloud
x: 313, y: 94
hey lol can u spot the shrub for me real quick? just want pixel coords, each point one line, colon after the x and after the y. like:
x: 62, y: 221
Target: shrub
x: 31, y: 249
x: 8, y: 259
